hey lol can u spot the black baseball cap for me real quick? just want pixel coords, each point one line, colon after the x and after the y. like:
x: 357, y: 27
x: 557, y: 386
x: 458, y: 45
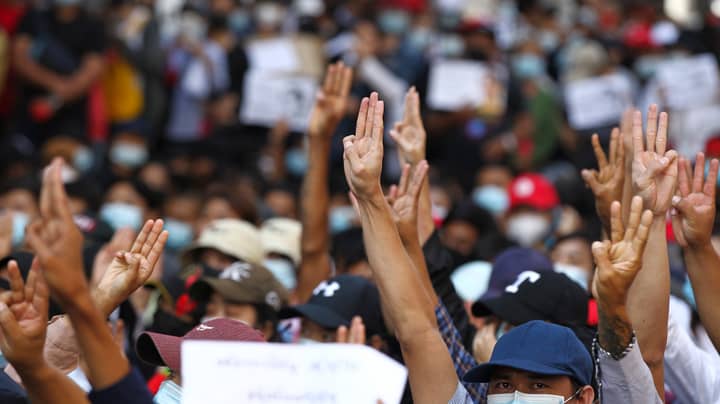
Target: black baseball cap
x: 547, y: 296
x: 336, y: 301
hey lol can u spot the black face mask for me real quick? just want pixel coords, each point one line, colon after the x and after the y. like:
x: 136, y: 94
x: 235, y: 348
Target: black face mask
x: 460, y: 259
x: 477, y: 54
x: 209, y: 271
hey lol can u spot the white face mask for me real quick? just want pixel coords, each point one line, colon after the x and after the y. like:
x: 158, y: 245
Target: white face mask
x: 283, y: 270
x: 576, y: 274
x: 523, y: 398
x: 169, y: 393
x: 527, y: 229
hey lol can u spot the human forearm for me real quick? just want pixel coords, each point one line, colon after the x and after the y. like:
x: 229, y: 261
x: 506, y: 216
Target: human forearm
x: 614, y: 329
x: 26, y: 67
x: 106, y: 363
x: 648, y: 300
x: 415, y: 252
x: 48, y: 385
x: 703, y: 267
x: 81, y: 81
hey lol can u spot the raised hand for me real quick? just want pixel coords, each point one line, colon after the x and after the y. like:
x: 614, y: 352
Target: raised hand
x: 619, y: 259
x: 607, y: 182
x: 120, y: 241
x: 403, y: 199
x: 355, y: 335
x: 331, y: 102
x: 23, y: 318
x: 654, y: 170
x: 364, y: 150
x: 129, y: 270
x: 693, y: 212
x: 409, y: 134
x: 56, y: 240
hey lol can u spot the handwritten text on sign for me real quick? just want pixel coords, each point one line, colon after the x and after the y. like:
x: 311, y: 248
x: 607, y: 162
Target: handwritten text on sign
x: 238, y: 372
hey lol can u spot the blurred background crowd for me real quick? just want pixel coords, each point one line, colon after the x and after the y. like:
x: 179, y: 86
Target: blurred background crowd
x: 195, y: 111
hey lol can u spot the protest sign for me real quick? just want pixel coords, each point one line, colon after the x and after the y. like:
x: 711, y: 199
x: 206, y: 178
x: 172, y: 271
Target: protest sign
x: 689, y: 82
x: 597, y: 101
x: 279, y: 54
x: 455, y: 84
x: 220, y: 372
x: 269, y: 97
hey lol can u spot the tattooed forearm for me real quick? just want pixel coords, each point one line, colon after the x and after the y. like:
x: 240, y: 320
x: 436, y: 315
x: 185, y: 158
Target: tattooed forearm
x: 614, y: 330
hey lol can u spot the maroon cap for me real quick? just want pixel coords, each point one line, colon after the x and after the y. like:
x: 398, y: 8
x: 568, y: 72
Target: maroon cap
x: 533, y: 190
x: 164, y: 350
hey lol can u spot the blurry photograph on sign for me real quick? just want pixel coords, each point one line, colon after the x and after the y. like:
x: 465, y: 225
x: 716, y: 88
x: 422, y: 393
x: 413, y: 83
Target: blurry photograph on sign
x: 689, y: 82
x: 456, y: 84
x: 270, y: 97
x: 240, y: 372
x: 597, y: 101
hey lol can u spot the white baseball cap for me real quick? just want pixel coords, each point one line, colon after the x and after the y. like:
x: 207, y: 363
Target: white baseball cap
x: 282, y: 236
x: 236, y: 238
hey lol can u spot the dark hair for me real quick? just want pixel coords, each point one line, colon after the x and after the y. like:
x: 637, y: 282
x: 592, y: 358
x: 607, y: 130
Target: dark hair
x: 348, y: 249
x: 266, y: 314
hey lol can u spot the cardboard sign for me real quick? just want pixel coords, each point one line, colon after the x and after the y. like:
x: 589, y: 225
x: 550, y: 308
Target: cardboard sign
x: 269, y: 97
x: 689, y: 82
x: 455, y: 84
x: 597, y: 101
x: 254, y: 373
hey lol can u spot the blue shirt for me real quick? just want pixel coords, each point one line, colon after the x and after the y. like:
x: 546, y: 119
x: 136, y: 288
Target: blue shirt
x: 129, y: 389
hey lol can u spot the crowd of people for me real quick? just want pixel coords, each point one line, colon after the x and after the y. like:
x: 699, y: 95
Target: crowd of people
x: 514, y: 199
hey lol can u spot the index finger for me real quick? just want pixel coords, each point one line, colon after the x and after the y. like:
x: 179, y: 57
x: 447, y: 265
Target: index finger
x: 599, y: 153
x: 637, y: 134
x: 643, y: 233
x: 652, y: 123
x: 661, y: 141
x: 378, y: 124
x: 404, y: 180
x: 140, y: 239
x: 418, y: 178
x: 59, y: 197
x: 711, y: 180
x: 616, y: 224
x: 327, y: 83
x: 634, y: 220
x: 683, y: 183
x: 17, y: 288
x: 370, y: 118
x: 346, y: 83
x: 362, y: 116
x: 699, y: 176
x: 613, y: 155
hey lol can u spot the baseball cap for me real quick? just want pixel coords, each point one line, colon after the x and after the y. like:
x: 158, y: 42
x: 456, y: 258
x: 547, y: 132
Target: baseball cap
x: 164, y: 350
x: 538, y: 347
x: 242, y: 283
x: 548, y: 296
x: 282, y: 236
x: 511, y: 263
x: 336, y: 301
x: 233, y: 237
x: 533, y: 190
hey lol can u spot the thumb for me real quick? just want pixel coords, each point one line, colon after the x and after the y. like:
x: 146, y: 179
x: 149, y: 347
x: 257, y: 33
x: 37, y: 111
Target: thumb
x: 677, y: 229
x: 681, y: 205
x: 590, y: 178
x: 600, y: 253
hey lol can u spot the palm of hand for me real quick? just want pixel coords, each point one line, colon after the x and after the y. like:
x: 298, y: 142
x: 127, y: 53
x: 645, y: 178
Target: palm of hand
x: 412, y: 142
x: 328, y: 109
x: 624, y: 262
x: 655, y: 187
x: 403, y: 209
x: 30, y: 320
x: 121, y: 276
x: 700, y: 222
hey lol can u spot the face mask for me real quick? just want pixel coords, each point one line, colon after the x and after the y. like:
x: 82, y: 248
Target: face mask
x: 502, y: 329
x: 689, y: 293
x: 83, y: 159
x: 180, y: 234
x: 576, y: 274
x: 307, y: 341
x: 128, y: 155
x: 393, y: 22
x: 119, y: 215
x: 548, y: 40
x: 239, y: 21
x: 68, y: 174
x: 169, y: 393
x: 420, y: 38
x: 296, y: 162
x: 20, y: 220
x: 493, y: 198
x: 283, y: 270
x: 646, y: 66
x: 528, y: 65
x: 523, y: 398
x: 341, y: 218
x: 311, y: 8
x: 268, y: 15
x: 527, y: 229
x: 439, y: 213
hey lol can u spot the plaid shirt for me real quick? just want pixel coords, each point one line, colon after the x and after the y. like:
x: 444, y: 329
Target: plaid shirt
x: 462, y: 359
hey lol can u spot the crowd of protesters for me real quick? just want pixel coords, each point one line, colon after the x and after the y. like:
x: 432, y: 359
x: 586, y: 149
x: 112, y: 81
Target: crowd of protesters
x: 308, y: 171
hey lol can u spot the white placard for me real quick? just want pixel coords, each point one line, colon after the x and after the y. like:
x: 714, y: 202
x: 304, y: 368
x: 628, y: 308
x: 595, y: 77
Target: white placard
x: 597, y: 101
x: 454, y: 84
x: 689, y: 82
x: 278, y: 55
x: 253, y: 373
x: 269, y: 97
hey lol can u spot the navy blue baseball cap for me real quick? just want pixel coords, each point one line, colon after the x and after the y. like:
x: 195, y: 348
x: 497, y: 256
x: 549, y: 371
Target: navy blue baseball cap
x: 511, y: 263
x: 541, y: 348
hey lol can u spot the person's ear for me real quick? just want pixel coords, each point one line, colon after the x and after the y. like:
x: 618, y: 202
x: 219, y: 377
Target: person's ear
x: 587, y: 396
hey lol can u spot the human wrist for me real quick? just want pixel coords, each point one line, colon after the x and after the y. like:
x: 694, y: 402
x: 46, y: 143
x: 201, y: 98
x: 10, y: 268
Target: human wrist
x: 700, y: 248
x: 103, y: 301
x: 36, y: 370
x: 373, y: 196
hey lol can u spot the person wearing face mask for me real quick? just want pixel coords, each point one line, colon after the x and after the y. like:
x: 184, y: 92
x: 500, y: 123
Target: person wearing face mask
x: 529, y: 221
x: 18, y: 198
x: 242, y: 292
x: 164, y: 350
x: 281, y: 242
x: 572, y: 256
x: 126, y: 205
x: 465, y: 227
x: 128, y: 152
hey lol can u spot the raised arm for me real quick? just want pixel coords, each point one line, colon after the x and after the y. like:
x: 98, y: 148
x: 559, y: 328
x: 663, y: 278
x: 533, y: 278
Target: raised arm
x: 57, y: 243
x: 330, y: 107
x: 23, y: 321
x: 411, y: 138
x: 693, y: 217
x: 654, y: 176
x: 432, y: 377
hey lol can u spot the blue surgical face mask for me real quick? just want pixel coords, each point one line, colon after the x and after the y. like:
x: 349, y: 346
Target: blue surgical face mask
x: 83, y: 159
x: 341, y: 218
x: 307, y: 341
x: 576, y: 274
x: 19, y: 221
x: 169, y: 393
x: 502, y: 328
x: 283, y: 270
x: 394, y: 22
x: 689, y: 293
x: 296, y: 162
x: 180, y: 234
x: 524, y: 398
x: 239, y: 22
x: 548, y: 40
x: 420, y: 38
x: 128, y: 155
x: 528, y: 66
x: 119, y: 215
x: 493, y: 198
